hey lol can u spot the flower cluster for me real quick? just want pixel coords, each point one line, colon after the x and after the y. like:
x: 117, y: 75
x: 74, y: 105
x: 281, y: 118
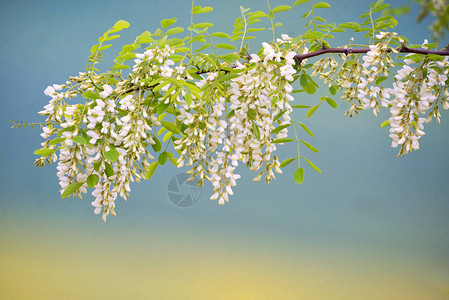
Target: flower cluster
x: 103, y: 142
x: 241, y: 129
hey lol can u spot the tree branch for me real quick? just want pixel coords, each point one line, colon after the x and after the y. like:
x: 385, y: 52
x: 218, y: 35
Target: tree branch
x: 347, y: 51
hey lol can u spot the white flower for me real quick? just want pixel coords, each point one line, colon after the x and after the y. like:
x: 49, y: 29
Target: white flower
x: 107, y: 90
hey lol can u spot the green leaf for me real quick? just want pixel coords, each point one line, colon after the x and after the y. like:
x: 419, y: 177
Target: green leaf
x: 280, y: 114
x: 112, y: 154
x: 202, y: 10
x: 331, y: 102
x: 167, y: 22
x: 157, y: 146
x: 188, y: 98
x: 283, y: 140
x: 303, y: 80
x: 385, y: 123
x: 252, y: 113
x: 92, y: 180
x: 310, y: 89
x: 322, y: 5
x: 309, y: 146
x: 204, y: 25
x: 205, y: 46
x: 381, y: 79
x: 44, y: 152
x: 226, y: 46
x: 221, y: 35
x: 79, y: 140
x: 171, y: 127
x: 108, y: 170
x: 312, y: 165
x: 281, y: 8
x: 149, y: 171
x: 120, y: 67
x: 312, y: 111
x: 162, y: 159
x: 121, y: 24
x: 333, y: 89
x: 174, y: 30
x: 301, y: 106
x: 56, y: 141
x: 299, y: 175
x: 298, y: 2
x: 306, y: 129
x: 287, y: 161
x: 73, y: 187
x: 90, y: 96
x: 279, y: 128
x: 256, y: 130
x: 145, y: 37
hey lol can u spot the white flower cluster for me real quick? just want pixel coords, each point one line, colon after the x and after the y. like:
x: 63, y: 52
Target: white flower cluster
x: 414, y: 93
x: 103, y: 141
x: 241, y: 129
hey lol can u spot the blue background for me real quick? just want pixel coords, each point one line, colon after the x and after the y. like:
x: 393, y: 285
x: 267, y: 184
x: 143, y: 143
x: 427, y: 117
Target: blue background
x: 371, y: 226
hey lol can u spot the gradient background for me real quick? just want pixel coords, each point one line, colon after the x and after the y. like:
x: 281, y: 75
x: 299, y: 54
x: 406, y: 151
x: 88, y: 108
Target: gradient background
x: 371, y: 226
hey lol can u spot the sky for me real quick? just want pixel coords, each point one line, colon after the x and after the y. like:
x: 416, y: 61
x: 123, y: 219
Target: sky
x: 370, y: 226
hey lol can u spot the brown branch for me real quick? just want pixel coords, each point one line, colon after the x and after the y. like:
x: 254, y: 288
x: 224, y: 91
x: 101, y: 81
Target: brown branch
x: 347, y: 51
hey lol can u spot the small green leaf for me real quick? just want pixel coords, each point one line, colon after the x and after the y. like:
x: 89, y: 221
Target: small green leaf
x: 204, y: 25
x: 385, y: 123
x: 225, y: 46
x: 158, y: 145
x: 279, y: 128
x: 298, y: 2
x: 144, y: 38
x: 90, y: 96
x: 312, y: 165
x: 381, y: 79
x: 301, y: 106
x: 112, y: 154
x: 56, y: 141
x: 331, y: 102
x: 121, y: 24
x: 287, y: 161
x: 108, y: 170
x: 188, y: 98
x: 79, y: 140
x: 252, y: 113
x: 333, y: 89
x: 283, y: 140
x: 221, y: 35
x: 299, y: 175
x: 256, y: 130
x: 310, y: 146
x: 306, y: 129
x: 73, y: 187
x: 44, y: 152
x: 167, y: 22
x: 162, y: 159
x: 281, y: 8
x: 322, y: 5
x: 280, y: 114
x: 92, y: 180
x: 202, y: 10
x: 170, y: 126
x: 309, y: 88
x: 174, y: 30
x: 149, y: 171
x: 312, y: 111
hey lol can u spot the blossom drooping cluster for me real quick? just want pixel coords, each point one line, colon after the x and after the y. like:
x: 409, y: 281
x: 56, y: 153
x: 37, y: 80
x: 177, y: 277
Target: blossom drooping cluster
x: 241, y: 130
x: 103, y: 143
x: 415, y: 92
